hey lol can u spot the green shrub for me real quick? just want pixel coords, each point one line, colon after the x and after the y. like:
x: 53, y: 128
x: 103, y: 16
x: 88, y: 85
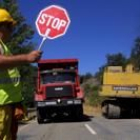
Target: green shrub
x: 92, y: 95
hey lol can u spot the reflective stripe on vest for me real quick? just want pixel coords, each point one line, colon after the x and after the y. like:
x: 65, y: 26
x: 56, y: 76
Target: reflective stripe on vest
x: 10, y: 86
x: 9, y: 80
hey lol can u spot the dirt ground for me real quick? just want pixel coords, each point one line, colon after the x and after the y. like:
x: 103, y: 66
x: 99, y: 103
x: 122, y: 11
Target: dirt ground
x: 92, y: 111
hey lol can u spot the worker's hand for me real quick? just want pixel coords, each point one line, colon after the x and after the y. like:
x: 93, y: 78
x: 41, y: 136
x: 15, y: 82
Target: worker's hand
x: 34, y: 56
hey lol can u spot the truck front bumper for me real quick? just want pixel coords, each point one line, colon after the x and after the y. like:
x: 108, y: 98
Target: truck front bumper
x: 59, y: 102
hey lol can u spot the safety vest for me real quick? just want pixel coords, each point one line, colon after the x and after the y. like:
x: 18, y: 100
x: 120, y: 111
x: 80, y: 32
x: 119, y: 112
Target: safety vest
x: 10, y: 85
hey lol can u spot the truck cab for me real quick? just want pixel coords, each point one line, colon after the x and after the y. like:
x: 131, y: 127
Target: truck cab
x: 58, y: 89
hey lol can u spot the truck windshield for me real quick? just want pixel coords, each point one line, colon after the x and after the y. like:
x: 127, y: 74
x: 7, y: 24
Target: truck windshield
x: 53, y: 77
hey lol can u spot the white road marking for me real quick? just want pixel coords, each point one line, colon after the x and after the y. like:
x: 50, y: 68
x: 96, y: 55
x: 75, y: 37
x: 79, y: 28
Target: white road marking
x: 90, y: 129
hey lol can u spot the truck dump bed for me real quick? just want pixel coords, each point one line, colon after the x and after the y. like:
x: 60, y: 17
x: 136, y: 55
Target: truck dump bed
x: 119, y: 83
x: 58, y: 63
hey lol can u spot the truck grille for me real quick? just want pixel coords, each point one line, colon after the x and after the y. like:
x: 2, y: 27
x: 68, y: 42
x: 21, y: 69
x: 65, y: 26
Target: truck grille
x: 59, y: 91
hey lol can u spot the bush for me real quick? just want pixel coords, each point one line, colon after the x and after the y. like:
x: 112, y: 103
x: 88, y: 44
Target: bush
x: 92, y: 95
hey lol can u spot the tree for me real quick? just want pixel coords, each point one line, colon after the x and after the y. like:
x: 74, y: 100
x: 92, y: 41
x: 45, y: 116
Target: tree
x: 20, y: 42
x: 99, y: 74
x: 85, y: 77
x: 116, y: 60
x: 135, y: 54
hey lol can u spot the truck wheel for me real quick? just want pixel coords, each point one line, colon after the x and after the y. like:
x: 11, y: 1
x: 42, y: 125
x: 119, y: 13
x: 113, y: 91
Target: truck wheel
x: 104, y: 110
x: 113, y: 111
x: 40, y: 119
x: 79, y: 112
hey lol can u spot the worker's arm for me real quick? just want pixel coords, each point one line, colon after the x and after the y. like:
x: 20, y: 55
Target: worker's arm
x: 16, y: 60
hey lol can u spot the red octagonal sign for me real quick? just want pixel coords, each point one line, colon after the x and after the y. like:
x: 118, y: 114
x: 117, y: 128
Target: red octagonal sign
x: 52, y: 22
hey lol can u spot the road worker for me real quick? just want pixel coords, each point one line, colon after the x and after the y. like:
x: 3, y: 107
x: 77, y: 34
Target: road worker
x: 10, y: 86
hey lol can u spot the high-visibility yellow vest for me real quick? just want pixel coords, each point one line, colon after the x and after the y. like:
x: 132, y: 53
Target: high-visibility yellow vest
x: 10, y: 85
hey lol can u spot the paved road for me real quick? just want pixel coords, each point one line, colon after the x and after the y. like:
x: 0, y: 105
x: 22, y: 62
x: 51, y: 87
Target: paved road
x: 91, y: 128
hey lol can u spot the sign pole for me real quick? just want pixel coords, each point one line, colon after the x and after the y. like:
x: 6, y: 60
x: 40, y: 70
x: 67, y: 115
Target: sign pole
x: 51, y: 25
x: 44, y: 38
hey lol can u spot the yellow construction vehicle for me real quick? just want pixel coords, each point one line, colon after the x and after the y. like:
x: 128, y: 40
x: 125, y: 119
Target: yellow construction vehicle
x: 122, y: 91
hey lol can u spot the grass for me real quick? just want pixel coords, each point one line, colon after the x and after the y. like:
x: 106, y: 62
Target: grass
x: 92, y: 110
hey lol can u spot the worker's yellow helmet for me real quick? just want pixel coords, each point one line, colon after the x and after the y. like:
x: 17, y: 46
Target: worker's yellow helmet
x: 6, y: 17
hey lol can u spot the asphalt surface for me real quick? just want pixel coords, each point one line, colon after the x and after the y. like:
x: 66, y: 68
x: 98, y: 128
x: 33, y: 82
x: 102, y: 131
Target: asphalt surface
x: 90, y: 128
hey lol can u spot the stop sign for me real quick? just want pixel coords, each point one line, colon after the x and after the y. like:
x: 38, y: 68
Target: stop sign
x: 52, y: 21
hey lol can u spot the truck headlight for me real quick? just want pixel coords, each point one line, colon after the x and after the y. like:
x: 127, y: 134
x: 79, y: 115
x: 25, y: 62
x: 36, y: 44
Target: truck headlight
x: 77, y: 102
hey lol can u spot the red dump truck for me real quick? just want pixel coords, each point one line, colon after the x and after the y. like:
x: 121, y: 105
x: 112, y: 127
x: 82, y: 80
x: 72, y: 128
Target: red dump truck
x: 58, y: 89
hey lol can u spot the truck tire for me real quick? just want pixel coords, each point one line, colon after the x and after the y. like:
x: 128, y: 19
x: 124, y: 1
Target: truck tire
x: 104, y: 110
x: 113, y: 111
x: 40, y: 118
x: 79, y: 112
